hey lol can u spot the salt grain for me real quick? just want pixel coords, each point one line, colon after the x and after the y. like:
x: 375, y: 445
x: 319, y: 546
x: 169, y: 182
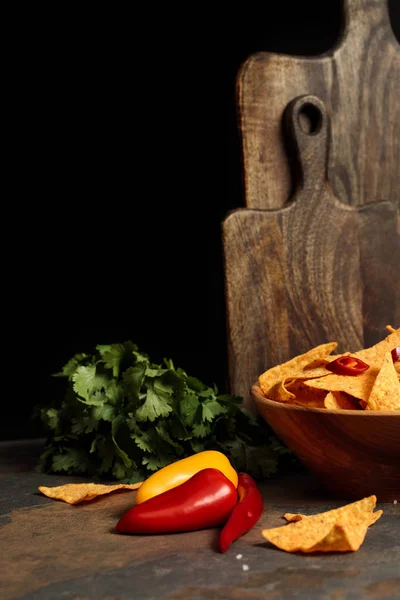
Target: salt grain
x: 239, y: 556
x: 245, y: 567
x: 394, y: 501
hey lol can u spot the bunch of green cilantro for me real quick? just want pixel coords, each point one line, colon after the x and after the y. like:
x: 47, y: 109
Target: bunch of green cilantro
x: 124, y: 417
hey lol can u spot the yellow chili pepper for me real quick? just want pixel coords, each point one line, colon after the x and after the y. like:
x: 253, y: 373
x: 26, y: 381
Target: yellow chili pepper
x: 178, y: 472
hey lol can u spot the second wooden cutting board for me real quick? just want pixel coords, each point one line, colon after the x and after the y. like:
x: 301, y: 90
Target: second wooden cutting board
x: 359, y: 82
x: 314, y: 271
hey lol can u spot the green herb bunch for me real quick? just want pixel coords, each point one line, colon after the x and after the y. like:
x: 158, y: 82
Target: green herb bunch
x: 124, y: 417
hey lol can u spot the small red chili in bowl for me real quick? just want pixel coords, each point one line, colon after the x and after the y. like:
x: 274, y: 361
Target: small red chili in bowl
x: 347, y: 365
x: 396, y: 353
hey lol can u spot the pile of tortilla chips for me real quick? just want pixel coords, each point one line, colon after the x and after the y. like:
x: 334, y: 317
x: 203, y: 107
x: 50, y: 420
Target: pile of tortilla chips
x: 75, y: 493
x: 339, y: 530
x: 305, y: 381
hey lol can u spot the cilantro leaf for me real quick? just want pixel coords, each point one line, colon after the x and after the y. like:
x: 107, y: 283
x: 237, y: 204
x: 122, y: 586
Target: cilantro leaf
x: 132, y: 381
x: 72, y: 460
x: 163, y: 386
x: 102, y: 413
x: 201, y: 430
x: 227, y: 399
x: 210, y: 409
x: 177, y: 428
x: 194, y: 384
x: 164, y: 435
x: 69, y: 369
x: 83, y: 425
x: 50, y: 417
x: 119, y: 470
x: 113, y: 392
x: 140, y: 358
x: 155, y: 405
x: 155, y: 372
x: 143, y: 442
x: 117, y: 422
x: 96, y: 440
x: 114, y: 354
x: 153, y: 463
x: 89, y: 384
x: 188, y: 407
x: 207, y: 393
x: 197, y: 445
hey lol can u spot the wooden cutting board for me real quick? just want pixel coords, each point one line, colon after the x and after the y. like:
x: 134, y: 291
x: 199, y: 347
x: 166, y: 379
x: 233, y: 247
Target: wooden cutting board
x: 314, y: 271
x: 359, y: 82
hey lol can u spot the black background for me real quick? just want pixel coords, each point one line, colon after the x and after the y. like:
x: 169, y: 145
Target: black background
x: 127, y: 133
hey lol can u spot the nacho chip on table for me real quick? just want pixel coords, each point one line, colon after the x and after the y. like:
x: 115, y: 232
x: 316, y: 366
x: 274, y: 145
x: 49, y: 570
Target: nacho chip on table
x: 305, y: 366
x: 292, y: 518
x: 343, y: 537
x: 340, y: 530
x: 385, y: 394
x: 75, y: 493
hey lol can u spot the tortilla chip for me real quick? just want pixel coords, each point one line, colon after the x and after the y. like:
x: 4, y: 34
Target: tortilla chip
x: 294, y: 391
x: 280, y: 393
x: 360, y: 386
x: 295, y: 368
x: 304, y: 396
x: 390, y: 328
x: 316, y: 403
x: 340, y: 401
x: 376, y: 354
x: 361, y: 507
x: 340, y: 530
x: 385, y: 394
x: 292, y: 518
x: 343, y: 537
x: 74, y: 493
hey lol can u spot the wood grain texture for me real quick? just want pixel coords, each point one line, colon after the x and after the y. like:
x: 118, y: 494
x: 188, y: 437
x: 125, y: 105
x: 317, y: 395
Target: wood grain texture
x: 314, y: 271
x: 355, y: 454
x: 359, y: 82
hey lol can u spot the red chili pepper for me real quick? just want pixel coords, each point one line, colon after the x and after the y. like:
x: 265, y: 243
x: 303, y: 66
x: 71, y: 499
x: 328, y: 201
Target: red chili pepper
x: 347, y: 365
x: 396, y: 353
x: 205, y: 500
x: 246, y: 513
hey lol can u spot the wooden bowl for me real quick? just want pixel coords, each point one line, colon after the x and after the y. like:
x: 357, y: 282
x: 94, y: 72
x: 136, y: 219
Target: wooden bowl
x: 354, y: 453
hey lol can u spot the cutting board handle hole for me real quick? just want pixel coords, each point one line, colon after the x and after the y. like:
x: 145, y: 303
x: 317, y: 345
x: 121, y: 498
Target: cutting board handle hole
x: 309, y: 119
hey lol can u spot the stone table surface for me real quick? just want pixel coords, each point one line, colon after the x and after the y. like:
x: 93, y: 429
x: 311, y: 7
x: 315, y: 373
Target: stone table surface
x: 50, y: 549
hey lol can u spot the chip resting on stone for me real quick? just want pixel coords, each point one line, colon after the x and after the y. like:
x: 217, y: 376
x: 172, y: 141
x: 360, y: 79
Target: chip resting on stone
x: 75, y: 493
x: 292, y: 518
x: 340, y: 530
